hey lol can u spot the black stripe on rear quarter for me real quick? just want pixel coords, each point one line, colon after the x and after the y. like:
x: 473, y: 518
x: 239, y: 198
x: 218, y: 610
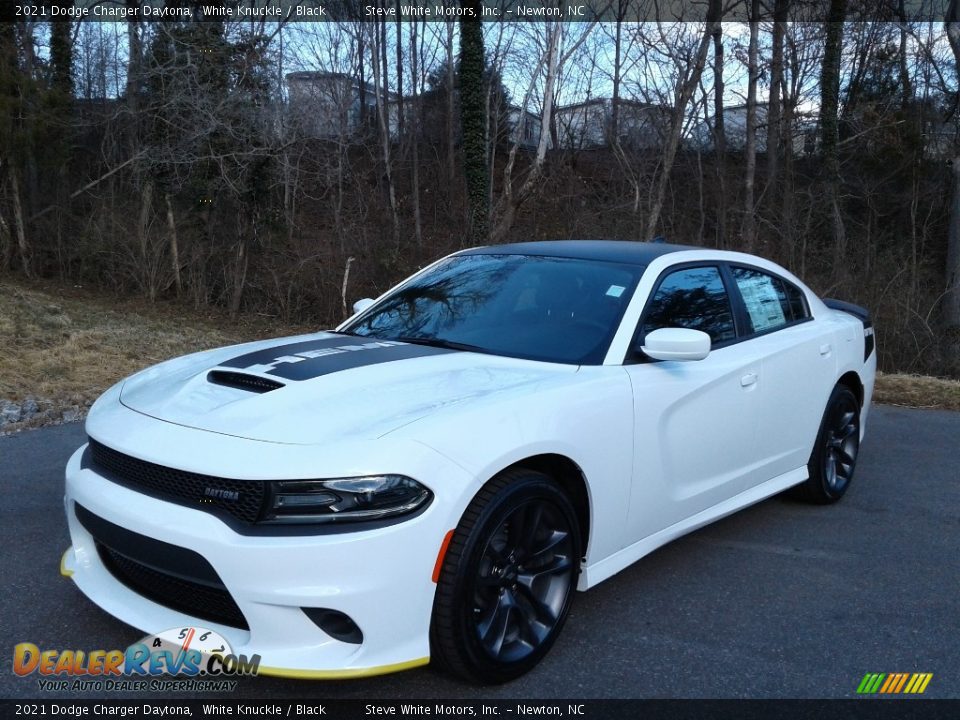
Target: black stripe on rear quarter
x: 313, y: 358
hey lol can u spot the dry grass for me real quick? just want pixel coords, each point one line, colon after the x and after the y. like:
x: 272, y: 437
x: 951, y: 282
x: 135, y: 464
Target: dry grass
x: 918, y: 391
x: 66, y: 346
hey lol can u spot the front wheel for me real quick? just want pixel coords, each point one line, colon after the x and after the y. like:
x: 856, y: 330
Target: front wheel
x: 507, y: 580
x: 834, y: 455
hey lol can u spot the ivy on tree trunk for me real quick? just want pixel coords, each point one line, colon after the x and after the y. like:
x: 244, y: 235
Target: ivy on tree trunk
x: 472, y: 122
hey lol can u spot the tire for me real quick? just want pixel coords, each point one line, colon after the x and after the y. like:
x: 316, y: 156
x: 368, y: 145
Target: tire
x: 834, y: 456
x: 507, y: 580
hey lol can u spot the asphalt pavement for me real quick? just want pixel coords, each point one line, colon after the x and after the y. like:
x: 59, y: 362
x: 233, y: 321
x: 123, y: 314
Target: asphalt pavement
x: 782, y: 600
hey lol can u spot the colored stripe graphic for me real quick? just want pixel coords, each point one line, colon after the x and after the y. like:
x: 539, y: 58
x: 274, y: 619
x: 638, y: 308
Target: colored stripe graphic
x: 894, y: 683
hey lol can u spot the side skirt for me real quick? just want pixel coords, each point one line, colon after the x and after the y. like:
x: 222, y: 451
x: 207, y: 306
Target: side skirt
x: 611, y: 565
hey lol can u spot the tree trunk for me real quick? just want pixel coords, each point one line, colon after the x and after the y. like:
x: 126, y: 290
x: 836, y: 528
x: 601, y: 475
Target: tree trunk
x: 239, y: 278
x: 451, y: 126
x: 617, y: 59
x: 415, y: 134
x: 774, y: 134
x: 379, y: 73
x: 905, y: 83
x: 715, y: 13
x: 400, y: 118
x: 6, y: 245
x: 384, y: 77
x: 362, y: 73
x: 951, y: 302
x: 749, y: 230
x: 143, y: 230
x: 684, y: 94
x: 472, y: 123
x: 829, y: 126
x: 174, y: 247
x: 18, y: 222
x: 134, y: 55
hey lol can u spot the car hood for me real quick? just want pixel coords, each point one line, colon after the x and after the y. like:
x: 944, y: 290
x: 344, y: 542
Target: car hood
x: 329, y: 387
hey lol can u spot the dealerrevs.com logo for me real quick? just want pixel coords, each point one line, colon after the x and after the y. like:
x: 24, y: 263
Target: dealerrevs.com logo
x: 197, y: 658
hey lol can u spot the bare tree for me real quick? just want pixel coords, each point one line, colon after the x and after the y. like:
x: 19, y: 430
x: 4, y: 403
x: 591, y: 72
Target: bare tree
x: 715, y: 15
x: 376, y: 41
x: 781, y: 10
x: 551, y: 61
x: 749, y: 220
x: 416, y: 88
x: 951, y: 304
x: 829, y: 124
x: 691, y: 69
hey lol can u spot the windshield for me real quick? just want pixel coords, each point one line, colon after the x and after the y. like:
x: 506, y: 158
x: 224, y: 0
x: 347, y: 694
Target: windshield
x: 541, y: 308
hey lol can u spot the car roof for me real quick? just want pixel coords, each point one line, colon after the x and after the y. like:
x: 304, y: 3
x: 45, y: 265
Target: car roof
x: 622, y: 251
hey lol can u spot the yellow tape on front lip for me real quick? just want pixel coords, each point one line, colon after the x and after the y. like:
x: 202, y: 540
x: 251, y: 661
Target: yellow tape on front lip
x: 64, y: 570
x: 342, y: 674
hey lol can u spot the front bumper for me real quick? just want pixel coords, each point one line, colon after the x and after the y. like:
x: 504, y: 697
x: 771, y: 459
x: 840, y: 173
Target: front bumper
x: 380, y: 578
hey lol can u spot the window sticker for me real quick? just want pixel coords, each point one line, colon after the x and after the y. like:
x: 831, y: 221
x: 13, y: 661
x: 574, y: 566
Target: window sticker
x: 615, y: 290
x: 762, y: 301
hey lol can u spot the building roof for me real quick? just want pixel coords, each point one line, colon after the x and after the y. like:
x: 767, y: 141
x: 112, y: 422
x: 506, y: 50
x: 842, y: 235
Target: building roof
x: 622, y: 102
x: 622, y: 251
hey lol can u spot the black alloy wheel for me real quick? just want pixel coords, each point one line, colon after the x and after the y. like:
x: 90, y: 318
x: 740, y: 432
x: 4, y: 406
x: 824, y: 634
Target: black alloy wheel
x: 507, y: 580
x: 834, y: 456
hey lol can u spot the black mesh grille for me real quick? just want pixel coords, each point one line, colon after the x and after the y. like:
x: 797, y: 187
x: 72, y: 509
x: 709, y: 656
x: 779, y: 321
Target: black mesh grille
x: 201, y: 601
x: 243, y: 381
x: 243, y: 499
x: 170, y: 575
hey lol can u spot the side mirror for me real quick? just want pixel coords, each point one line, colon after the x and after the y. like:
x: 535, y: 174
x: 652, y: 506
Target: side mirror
x: 361, y: 305
x: 676, y: 344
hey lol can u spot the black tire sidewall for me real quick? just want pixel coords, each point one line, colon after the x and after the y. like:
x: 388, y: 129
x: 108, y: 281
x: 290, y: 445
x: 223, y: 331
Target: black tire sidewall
x: 522, y: 488
x: 819, y: 488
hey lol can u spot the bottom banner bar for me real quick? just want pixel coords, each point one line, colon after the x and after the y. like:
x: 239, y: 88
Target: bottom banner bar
x: 868, y: 709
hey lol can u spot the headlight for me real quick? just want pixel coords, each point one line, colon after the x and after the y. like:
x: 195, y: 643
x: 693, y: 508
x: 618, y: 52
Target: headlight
x: 344, y: 499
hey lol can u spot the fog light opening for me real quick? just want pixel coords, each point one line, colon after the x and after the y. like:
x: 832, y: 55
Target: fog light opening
x: 336, y: 624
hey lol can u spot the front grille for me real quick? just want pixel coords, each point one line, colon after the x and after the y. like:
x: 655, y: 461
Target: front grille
x: 242, y: 499
x: 194, y: 599
x: 169, y: 575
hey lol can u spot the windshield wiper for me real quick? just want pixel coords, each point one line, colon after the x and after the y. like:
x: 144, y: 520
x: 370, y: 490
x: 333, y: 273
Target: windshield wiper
x: 439, y: 343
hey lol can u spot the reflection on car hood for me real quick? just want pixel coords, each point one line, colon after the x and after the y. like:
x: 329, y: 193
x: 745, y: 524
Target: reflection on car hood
x: 321, y: 388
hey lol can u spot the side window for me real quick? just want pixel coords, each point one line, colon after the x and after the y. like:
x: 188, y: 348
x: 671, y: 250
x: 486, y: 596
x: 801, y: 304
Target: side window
x: 771, y: 303
x: 796, y: 301
x: 692, y: 298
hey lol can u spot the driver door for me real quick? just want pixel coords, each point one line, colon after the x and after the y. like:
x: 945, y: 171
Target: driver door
x: 695, y: 421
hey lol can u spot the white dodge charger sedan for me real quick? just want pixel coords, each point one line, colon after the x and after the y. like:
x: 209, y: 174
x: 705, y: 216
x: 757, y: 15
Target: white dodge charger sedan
x: 433, y: 479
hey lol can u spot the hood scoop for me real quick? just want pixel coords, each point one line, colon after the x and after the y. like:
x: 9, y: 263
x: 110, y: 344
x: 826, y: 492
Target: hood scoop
x: 243, y: 381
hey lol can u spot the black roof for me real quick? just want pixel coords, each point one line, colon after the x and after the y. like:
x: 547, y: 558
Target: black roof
x: 622, y: 251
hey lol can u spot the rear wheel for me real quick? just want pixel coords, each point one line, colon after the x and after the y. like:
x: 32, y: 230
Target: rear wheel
x: 507, y: 580
x: 834, y: 456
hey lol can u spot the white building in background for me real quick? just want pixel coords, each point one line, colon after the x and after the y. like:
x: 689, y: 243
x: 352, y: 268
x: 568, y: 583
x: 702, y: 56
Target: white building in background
x: 589, y: 124
x: 527, y: 134
x: 328, y: 104
x: 735, y: 131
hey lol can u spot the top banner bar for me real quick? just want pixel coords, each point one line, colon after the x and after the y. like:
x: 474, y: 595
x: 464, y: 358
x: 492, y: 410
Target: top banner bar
x: 283, y: 11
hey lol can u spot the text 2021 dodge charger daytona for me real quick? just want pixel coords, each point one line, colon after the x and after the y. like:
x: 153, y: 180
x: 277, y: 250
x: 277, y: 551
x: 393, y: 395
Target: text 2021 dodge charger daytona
x: 436, y: 477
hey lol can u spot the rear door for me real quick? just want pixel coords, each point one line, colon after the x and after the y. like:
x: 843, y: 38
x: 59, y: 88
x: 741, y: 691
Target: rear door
x: 797, y: 371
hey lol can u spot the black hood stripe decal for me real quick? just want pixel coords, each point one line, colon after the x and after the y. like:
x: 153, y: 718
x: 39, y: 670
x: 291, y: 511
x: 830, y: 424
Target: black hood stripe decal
x: 313, y: 358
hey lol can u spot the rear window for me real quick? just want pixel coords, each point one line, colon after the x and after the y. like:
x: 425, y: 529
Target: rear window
x: 771, y: 302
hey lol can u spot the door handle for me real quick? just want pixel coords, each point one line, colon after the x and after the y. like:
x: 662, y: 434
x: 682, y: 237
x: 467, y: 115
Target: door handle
x: 825, y: 349
x: 748, y: 379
